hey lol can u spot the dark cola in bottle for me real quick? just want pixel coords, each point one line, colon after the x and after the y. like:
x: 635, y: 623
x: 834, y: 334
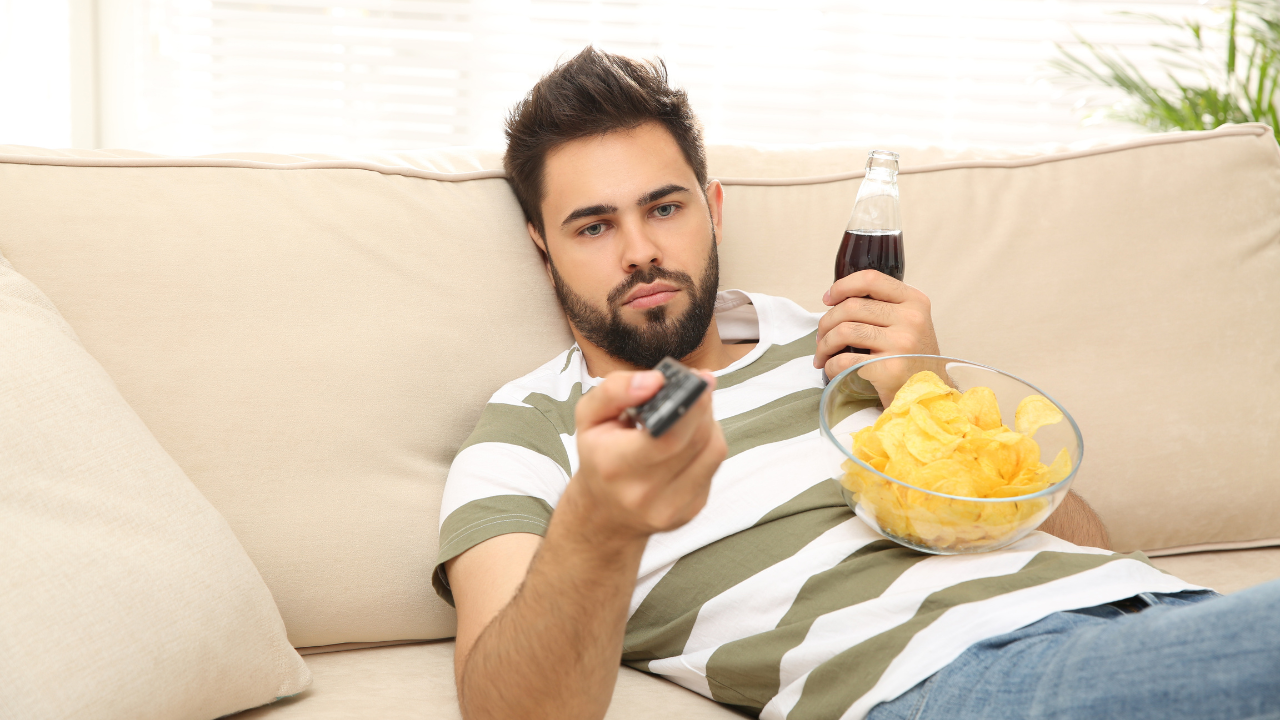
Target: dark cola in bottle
x: 873, y: 239
x: 869, y: 250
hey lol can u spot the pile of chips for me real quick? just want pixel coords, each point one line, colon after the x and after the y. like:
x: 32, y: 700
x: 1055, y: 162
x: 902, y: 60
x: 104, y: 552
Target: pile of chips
x: 936, y: 438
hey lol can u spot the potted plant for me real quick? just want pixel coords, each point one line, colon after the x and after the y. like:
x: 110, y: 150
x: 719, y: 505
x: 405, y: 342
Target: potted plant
x: 1204, y: 84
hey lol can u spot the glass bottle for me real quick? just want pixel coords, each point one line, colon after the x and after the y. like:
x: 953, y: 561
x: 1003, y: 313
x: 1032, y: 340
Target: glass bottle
x: 873, y: 238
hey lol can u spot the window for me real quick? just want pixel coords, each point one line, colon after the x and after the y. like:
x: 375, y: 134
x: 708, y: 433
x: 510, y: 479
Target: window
x: 198, y: 76
x: 35, y: 73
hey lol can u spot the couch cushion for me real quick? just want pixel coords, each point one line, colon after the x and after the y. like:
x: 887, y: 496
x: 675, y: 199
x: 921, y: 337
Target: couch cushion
x: 313, y: 337
x: 1227, y: 571
x: 123, y: 594
x: 415, y: 682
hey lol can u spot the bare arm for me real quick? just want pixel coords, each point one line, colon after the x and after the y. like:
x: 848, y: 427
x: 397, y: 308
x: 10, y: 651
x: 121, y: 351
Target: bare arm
x: 541, y: 621
x: 553, y: 650
x: 1076, y: 522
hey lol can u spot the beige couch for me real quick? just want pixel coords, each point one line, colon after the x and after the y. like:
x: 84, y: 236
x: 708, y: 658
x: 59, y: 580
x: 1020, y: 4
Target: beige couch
x: 311, y: 338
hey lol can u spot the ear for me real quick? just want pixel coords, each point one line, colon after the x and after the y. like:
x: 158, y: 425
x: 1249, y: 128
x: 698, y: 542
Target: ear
x: 541, y: 244
x: 715, y: 203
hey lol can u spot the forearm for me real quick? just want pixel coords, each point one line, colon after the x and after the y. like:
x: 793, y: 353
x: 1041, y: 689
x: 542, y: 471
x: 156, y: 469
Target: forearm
x: 1076, y: 522
x: 554, y: 650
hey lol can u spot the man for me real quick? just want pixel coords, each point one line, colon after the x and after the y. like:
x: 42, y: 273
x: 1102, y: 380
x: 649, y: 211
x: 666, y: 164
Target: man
x: 720, y: 555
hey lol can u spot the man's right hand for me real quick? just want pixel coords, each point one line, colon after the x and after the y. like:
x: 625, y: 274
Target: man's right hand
x: 634, y: 484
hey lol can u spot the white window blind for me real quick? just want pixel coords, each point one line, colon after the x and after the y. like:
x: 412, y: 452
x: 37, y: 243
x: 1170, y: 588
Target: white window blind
x: 361, y: 75
x: 35, y: 74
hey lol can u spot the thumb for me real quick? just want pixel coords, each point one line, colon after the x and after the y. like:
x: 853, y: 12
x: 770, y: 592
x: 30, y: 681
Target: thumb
x: 619, y: 391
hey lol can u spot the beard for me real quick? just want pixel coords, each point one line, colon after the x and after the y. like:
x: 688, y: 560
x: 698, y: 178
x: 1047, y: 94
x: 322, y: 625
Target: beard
x: 659, y: 334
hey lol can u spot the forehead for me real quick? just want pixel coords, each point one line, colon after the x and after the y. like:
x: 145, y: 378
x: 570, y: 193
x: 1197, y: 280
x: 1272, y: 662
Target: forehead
x: 616, y: 168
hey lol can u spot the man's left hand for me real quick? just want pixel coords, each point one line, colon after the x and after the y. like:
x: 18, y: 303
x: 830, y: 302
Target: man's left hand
x: 874, y: 311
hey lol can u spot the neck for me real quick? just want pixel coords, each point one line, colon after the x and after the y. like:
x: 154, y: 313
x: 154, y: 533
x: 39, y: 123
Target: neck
x: 713, y: 354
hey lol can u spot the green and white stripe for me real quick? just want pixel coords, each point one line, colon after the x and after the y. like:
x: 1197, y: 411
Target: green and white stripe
x: 775, y: 598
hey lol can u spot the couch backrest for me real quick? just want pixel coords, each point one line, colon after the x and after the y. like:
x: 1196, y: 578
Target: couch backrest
x: 312, y: 338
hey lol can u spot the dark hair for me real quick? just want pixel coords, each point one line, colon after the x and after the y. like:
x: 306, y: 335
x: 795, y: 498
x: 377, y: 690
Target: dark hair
x: 595, y: 93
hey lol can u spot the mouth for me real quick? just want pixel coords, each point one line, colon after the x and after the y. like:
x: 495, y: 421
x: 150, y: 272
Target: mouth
x: 651, y: 295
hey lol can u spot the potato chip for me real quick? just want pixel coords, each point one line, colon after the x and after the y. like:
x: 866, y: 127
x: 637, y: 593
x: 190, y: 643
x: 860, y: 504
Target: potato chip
x: 950, y: 477
x: 1033, y: 413
x: 920, y: 417
x: 979, y: 404
x: 1026, y: 454
x: 893, y: 438
x: 1057, y: 471
x: 957, y: 513
x: 869, y: 440
x: 956, y: 445
x: 996, y: 459
x: 920, y: 386
x: 868, y: 448
x: 1004, y: 436
x: 925, y: 440
x: 945, y: 411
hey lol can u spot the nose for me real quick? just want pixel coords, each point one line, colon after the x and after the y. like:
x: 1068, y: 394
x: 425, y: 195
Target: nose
x: 638, y: 248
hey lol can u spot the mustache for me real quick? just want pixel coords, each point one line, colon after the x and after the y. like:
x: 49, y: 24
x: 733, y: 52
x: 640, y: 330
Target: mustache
x: 645, y: 276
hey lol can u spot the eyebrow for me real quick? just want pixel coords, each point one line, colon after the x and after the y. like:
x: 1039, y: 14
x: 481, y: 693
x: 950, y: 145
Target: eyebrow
x: 589, y: 211
x: 602, y: 209
x: 660, y: 193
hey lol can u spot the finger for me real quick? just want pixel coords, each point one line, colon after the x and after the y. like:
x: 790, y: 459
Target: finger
x: 859, y: 309
x: 702, y: 464
x: 668, y: 461
x: 839, y: 363
x: 695, y: 420
x: 666, y: 456
x: 860, y: 335
x: 867, y: 283
x: 690, y: 488
x: 888, y: 375
x: 670, y: 452
x: 619, y: 391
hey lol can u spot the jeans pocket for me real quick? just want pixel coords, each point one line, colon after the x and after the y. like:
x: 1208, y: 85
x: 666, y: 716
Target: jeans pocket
x: 1106, y: 612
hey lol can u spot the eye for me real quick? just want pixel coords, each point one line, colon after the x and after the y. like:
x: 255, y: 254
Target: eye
x: 593, y: 230
x: 665, y: 210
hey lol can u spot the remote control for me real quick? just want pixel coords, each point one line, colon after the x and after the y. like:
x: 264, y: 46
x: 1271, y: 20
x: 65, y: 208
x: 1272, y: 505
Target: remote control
x: 681, y: 390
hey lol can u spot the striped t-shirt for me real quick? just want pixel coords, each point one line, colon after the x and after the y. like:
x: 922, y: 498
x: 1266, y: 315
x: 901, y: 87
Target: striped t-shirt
x: 775, y: 598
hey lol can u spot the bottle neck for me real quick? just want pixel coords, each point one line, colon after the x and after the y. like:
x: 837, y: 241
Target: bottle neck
x: 882, y: 175
x: 876, y: 207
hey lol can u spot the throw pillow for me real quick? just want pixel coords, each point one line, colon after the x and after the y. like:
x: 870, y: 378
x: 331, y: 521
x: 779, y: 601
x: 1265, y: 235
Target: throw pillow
x: 123, y: 592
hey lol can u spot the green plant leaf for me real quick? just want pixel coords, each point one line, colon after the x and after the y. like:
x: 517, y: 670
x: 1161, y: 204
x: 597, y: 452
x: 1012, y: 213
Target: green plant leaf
x: 1196, y: 91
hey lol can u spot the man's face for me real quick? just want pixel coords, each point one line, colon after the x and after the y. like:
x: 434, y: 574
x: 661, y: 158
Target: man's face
x: 631, y: 243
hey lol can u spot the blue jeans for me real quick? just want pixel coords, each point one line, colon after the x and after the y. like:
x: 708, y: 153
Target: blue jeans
x: 1193, y: 655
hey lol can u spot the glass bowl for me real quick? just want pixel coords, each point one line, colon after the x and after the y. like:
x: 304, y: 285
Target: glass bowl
x: 925, y: 520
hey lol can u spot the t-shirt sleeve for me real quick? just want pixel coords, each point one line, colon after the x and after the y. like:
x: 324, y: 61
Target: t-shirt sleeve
x: 506, y: 479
